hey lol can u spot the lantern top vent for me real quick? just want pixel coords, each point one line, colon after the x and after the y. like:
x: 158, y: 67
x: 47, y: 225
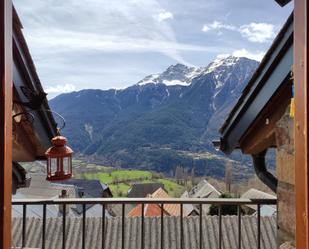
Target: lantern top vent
x: 59, y: 141
x: 59, y: 148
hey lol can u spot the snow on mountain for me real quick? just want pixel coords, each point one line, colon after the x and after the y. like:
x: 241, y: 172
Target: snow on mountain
x: 180, y: 74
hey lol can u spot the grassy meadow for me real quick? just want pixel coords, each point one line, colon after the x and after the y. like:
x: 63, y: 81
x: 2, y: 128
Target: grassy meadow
x: 120, y: 180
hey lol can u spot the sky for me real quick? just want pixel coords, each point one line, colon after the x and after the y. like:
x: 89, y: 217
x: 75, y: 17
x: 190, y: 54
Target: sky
x: 103, y: 44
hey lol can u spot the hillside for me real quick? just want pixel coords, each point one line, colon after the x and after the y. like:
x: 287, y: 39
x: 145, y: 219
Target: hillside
x: 163, y: 121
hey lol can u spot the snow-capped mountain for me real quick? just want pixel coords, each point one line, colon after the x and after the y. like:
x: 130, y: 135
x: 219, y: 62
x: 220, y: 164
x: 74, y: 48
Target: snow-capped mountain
x: 174, y: 75
x: 163, y: 120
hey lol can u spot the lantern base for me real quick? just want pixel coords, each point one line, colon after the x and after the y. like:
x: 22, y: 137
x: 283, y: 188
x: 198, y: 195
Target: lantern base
x: 59, y: 177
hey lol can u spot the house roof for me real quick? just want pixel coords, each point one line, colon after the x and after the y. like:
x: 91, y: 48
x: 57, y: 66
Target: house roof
x: 273, y: 71
x: 141, y: 190
x: 152, y: 232
x: 253, y: 193
x: 204, y: 190
x: 257, y: 194
x: 40, y: 188
x: 171, y: 209
x: 89, y: 188
x: 151, y: 210
x: 25, y: 75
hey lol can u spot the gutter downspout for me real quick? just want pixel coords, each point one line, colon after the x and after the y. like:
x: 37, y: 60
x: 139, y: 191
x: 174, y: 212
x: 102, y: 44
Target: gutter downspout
x: 261, y: 171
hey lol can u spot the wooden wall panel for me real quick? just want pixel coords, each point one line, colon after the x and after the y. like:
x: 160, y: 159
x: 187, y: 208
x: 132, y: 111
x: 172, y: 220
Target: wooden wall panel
x: 301, y: 123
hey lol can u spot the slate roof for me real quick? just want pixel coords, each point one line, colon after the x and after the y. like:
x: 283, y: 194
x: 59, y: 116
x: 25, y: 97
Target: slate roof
x: 257, y: 194
x: 204, y: 190
x: 90, y: 188
x: 42, y: 189
x: 253, y: 193
x: 141, y: 190
x: 152, y: 232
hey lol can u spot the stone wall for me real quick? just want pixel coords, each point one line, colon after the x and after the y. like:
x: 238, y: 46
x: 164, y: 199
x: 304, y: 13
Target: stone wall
x: 286, y: 180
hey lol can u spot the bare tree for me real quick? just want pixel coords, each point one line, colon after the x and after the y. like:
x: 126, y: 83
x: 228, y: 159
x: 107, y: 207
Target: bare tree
x: 228, y: 176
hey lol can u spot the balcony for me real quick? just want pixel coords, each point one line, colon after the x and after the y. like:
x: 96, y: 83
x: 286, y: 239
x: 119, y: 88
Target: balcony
x: 160, y: 232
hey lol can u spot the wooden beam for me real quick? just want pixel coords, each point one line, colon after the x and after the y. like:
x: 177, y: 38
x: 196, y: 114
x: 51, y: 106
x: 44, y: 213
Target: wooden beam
x: 261, y: 134
x: 5, y: 123
x: 301, y: 123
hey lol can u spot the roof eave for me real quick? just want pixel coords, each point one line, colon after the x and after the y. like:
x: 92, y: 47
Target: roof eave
x: 278, y: 56
x: 283, y: 2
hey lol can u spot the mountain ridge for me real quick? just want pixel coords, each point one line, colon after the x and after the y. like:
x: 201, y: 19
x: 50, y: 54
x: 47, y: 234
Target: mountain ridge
x: 155, y: 125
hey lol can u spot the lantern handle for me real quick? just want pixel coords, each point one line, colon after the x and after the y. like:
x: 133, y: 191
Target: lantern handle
x: 60, y: 116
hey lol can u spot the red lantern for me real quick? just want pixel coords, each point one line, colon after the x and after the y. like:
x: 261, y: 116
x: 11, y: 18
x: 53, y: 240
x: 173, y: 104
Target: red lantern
x: 59, y: 160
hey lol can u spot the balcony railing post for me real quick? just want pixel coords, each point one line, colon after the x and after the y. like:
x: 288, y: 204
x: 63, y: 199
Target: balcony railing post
x: 142, y: 227
x: 181, y: 227
x: 24, y: 225
x: 220, y: 226
x: 239, y: 226
x: 103, y: 226
x: 259, y: 226
x: 44, y: 227
x: 123, y: 227
x: 162, y: 225
x: 63, y: 224
x: 84, y: 227
x: 201, y: 226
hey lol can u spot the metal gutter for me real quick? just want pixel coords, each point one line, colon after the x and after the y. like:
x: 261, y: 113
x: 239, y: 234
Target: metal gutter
x: 262, y: 173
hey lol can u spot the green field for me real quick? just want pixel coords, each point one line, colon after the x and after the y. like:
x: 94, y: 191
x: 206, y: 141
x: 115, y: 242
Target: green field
x: 119, y: 181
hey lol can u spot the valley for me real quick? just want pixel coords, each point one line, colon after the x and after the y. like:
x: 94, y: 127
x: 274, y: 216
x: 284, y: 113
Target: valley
x: 164, y: 121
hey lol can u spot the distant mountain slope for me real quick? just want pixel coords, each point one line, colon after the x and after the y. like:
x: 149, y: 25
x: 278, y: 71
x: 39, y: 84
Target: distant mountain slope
x: 164, y: 120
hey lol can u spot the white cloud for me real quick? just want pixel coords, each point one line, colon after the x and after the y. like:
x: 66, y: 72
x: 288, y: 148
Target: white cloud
x: 217, y: 25
x: 60, y: 89
x: 165, y: 15
x: 254, y: 32
x: 258, y: 32
x: 134, y: 26
x: 245, y: 53
x: 258, y: 56
x: 68, y: 41
x: 222, y: 56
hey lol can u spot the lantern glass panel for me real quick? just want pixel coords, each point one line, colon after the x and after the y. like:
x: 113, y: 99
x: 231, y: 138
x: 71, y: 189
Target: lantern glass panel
x: 66, y: 165
x: 53, y: 165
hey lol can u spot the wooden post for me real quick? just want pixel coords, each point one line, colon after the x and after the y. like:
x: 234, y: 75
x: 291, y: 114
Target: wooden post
x: 5, y: 122
x: 301, y: 123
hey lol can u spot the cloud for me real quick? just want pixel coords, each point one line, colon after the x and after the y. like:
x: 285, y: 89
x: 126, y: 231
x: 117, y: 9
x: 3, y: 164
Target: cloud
x: 258, y: 32
x: 217, y: 25
x: 258, y: 56
x: 60, y: 89
x: 165, y: 15
x: 254, y: 32
x: 245, y: 53
x: 135, y: 26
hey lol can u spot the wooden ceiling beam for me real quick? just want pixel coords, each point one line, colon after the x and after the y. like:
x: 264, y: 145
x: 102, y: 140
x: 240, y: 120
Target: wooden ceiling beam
x: 261, y: 134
